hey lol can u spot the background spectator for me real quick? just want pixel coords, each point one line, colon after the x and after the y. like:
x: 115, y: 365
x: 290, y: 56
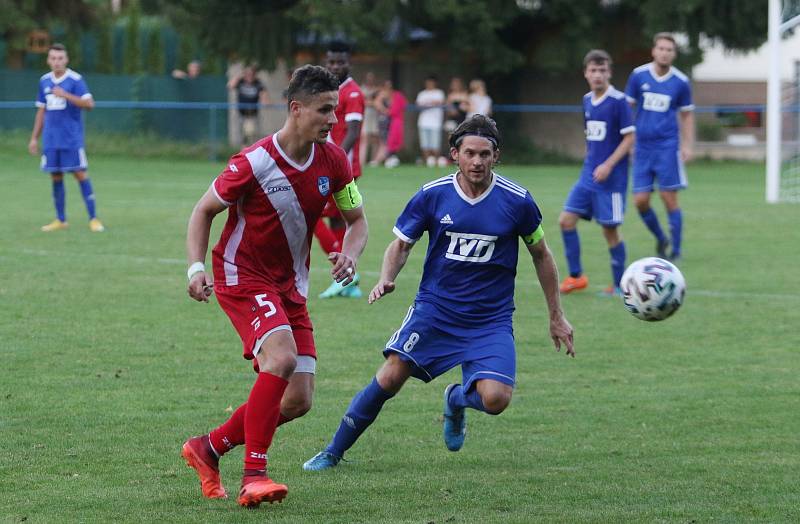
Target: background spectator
x: 479, y: 102
x: 370, y: 135
x: 193, y: 70
x: 457, y: 104
x: 430, y: 120
x: 249, y: 90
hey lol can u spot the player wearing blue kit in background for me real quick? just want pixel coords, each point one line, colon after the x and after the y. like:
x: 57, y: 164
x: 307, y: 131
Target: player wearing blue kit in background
x: 62, y: 95
x: 663, y: 97
x: 462, y: 312
x: 600, y: 191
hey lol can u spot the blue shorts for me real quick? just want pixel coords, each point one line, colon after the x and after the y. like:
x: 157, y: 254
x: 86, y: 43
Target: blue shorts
x: 482, y: 353
x: 664, y: 165
x: 606, y: 207
x: 61, y: 160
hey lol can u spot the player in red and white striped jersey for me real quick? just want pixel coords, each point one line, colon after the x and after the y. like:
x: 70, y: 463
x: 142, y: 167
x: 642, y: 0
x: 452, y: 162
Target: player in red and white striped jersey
x: 346, y: 133
x: 274, y: 192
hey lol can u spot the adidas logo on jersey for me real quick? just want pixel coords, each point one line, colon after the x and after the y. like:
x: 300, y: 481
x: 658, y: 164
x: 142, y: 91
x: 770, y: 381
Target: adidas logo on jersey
x: 446, y: 219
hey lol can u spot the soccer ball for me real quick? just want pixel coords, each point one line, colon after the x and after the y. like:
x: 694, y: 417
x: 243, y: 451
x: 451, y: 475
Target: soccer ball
x: 652, y: 288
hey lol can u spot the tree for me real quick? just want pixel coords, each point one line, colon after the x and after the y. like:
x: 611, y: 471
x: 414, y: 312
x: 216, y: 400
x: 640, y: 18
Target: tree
x: 19, y: 17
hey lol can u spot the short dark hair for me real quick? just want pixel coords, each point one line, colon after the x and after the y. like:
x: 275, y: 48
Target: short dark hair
x: 477, y: 125
x: 339, y: 46
x: 310, y: 80
x: 597, y: 56
x: 432, y: 77
x: 664, y: 36
x: 56, y: 46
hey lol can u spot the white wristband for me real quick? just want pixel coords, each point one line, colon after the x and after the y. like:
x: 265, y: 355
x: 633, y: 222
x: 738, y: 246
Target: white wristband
x: 195, y: 268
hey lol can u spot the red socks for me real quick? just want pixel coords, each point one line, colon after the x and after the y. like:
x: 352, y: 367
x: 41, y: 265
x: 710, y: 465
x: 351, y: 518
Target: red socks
x: 230, y: 434
x: 327, y: 238
x: 261, y: 418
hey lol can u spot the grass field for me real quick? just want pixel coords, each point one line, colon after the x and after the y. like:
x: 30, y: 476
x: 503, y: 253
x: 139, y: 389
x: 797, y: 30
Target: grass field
x: 108, y: 367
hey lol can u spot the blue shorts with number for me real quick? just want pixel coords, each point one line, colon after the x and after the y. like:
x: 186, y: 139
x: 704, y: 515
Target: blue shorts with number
x: 606, y: 207
x: 662, y: 165
x: 64, y: 160
x: 482, y: 353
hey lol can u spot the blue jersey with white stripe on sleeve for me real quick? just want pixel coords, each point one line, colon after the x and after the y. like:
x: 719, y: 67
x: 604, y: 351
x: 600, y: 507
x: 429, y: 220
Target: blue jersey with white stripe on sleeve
x: 63, y: 126
x: 658, y: 100
x: 473, y: 246
x: 607, y: 120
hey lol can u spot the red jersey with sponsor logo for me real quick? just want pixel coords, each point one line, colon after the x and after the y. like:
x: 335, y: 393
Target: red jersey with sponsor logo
x: 350, y: 108
x: 273, y: 205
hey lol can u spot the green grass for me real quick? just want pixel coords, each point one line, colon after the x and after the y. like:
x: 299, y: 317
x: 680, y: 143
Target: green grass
x: 108, y: 366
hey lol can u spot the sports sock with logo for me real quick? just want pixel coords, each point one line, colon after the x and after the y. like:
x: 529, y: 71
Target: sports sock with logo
x: 88, y: 196
x: 363, y: 410
x: 676, y: 229
x: 59, y: 194
x: 617, y: 262
x: 572, y: 248
x: 230, y: 434
x: 261, y: 418
x: 460, y: 399
x: 651, y: 221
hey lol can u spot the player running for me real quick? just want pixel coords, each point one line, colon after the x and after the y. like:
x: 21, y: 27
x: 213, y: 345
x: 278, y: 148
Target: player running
x: 462, y: 312
x: 663, y: 97
x: 346, y: 133
x: 601, y: 187
x: 274, y: 191
x: 62, y: 95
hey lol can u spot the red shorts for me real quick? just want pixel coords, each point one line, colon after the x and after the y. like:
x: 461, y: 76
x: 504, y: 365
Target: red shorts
x: 257, y: 312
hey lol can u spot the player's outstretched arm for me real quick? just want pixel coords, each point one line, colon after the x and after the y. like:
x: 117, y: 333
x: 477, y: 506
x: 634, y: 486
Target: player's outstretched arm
x: 355, y: 239
x: 546, y: 270
x: 687, y: 134
x: 200, y: 283
x: 394, y: 259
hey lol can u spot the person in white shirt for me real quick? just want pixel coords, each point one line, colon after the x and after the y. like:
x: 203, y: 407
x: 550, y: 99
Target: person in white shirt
x: 479, y: 102
x: 431, y: 102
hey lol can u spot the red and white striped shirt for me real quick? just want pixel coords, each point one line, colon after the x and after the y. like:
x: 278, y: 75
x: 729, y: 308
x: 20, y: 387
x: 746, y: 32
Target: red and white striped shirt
x: 273, y: 205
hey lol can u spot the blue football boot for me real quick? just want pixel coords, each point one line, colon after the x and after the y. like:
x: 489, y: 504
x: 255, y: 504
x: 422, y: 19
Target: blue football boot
x: 455, y: 423
x: 320, y: 461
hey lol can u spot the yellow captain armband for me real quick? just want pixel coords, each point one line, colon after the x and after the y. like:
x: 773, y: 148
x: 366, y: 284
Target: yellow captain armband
x: 349, y: 197
x: 534, y: 237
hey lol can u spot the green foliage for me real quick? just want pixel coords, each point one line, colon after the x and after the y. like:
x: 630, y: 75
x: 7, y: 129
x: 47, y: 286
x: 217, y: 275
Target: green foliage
x: 155, y: 52
x: 105, y: 45
x: 132, y: 61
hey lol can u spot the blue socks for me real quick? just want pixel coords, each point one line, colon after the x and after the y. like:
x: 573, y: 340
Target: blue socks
x: 617, y: 254
x: 460, y: 399
x: 88, y: 196
x: 675, y: 230
x: 58, y: 199
x: 363, y: 410
x: 651, y: 221
x: 572, y: 248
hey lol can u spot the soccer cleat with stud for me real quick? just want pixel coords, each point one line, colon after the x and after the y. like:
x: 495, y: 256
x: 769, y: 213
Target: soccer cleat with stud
x: 337, y: 290
x: 571, y: 284
x: 320, y: 461
x: 55, y: 225
x: 455, y: 423
x: 199, y: 457
x: 96, y: 226
x: 260, y: 489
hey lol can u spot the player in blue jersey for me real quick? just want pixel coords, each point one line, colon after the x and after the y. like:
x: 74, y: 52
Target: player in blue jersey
x: 600, y: 190
x: 462, y: 312
x: 663, y: 98
x: 62, y: 95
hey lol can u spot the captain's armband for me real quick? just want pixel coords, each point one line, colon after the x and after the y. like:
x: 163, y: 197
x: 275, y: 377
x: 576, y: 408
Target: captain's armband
x: 534, y: 237
x: 348, y: 198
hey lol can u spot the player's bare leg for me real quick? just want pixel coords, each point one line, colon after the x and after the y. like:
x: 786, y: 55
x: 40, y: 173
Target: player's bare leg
x: 277, y: 359
x: 576, y: 280
x: 297, y: 399
x: 489, y: 396
x: 642, y: 202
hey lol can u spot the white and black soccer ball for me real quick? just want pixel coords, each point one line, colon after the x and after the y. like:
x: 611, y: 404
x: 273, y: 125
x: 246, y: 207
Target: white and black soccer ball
x: 652, y: 288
